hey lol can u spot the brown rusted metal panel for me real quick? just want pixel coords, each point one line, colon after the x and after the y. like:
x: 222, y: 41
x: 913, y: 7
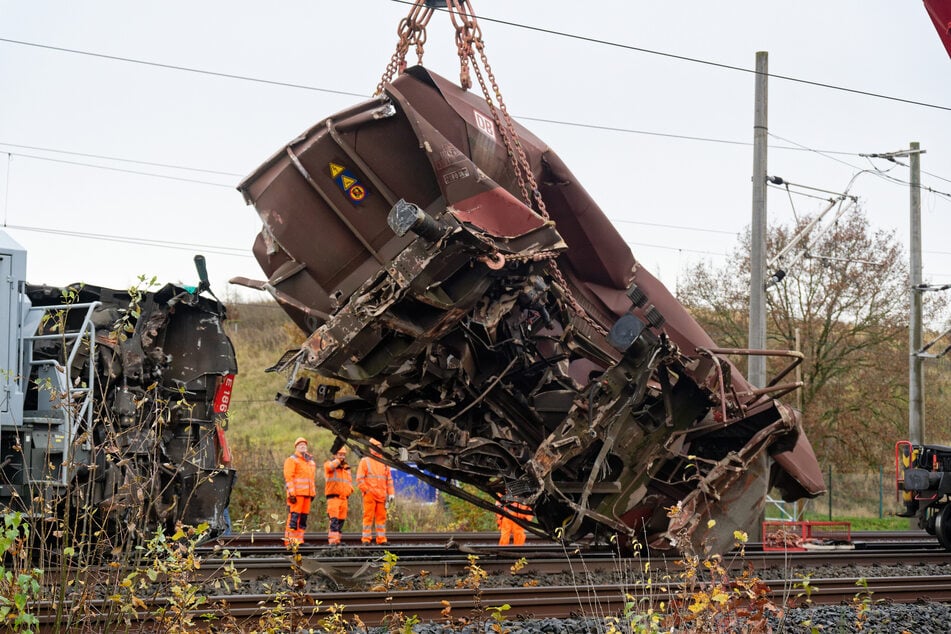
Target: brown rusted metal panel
x: 529, y: 356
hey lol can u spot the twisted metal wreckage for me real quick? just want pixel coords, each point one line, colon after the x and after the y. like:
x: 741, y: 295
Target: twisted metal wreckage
x: 112, y: 407
x: 497, y: 331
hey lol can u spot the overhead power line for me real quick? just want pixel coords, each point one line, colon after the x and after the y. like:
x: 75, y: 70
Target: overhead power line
x: 858, y: 169
x: 667, y: 135
x: 798, y: 147
x: 165, y: 244
x: 940, y: 178
x: 666, y: 226
x: 238, y: 252
x: 185, y: 69
x: 121, y: 160
x: 797, y: 193
x: 667, y: 248
x: 271, y: 82
x: 119, y: 169
x: 366, y: 96
x: 697, y: 60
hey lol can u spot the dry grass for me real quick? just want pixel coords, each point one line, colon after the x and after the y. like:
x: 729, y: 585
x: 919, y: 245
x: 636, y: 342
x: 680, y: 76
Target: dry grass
x: 261, y: 333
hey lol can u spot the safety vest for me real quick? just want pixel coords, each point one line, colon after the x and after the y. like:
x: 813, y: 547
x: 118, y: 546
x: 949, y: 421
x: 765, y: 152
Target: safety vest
x: 338, y: 480
x: 517, y: 509
x: 300, y: 474
x: 374, y: 478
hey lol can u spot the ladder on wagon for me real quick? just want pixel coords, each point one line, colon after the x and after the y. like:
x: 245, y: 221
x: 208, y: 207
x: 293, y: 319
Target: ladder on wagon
x: 64, y: 397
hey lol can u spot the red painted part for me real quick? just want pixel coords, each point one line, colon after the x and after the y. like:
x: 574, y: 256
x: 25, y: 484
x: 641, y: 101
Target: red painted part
x: 940, y: 12
x: 223, y: 394
x: 223, y: 444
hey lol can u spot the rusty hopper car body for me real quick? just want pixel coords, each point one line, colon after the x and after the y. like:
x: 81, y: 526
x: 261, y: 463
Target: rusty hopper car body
x: 113, y: 403
x: 522, y: 352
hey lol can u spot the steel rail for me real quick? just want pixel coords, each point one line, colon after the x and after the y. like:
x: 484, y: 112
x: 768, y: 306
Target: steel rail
x: 360, y: 570
x: 315, y: 540
x: 594, y: 601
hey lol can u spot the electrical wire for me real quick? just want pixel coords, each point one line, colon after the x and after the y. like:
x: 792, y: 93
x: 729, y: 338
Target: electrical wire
x: 241, y: 252
x: 166, y: 244
x: 665, y: 226
x: 669, y: 135
x: 589, y: 126
x: 119, y: 169
x: 810, y: 188
x: 661, y: 246
x: 365, y: 96
x: 607, y: 128
x: 940, y: 178
x: 904, y: 182
x: 185, y: 69
x: 121, y: 160
x: 697, y: 60
x: 875, y: 172
x: 798, y: 193
x: 884, y: 175
x: 826, y: 153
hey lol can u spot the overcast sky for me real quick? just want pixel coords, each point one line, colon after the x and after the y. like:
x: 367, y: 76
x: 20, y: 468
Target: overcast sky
x: 94, y: 143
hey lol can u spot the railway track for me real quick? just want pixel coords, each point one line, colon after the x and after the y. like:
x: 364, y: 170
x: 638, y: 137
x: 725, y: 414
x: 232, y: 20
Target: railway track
x: 256, y: 559
x: 434, y: 540
x: 535, y: 586
x: 452, y: 564
x: 261, y: 557
x: 447, y: 555
x: 593, y: 601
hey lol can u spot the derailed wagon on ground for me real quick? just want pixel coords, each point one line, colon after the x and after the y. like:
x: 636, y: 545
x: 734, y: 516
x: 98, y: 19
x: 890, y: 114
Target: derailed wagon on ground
x: 112, y: 409
x: 498, y: 332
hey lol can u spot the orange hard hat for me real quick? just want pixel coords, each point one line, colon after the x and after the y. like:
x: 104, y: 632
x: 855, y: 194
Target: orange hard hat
x: 299, y: 440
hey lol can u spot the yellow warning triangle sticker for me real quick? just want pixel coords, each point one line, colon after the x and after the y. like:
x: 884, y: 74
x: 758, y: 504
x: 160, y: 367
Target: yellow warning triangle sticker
x: 336, y: 169
x: 347, y: 182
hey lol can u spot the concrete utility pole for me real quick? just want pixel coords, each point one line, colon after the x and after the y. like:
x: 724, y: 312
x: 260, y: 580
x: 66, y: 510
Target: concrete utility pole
x: 916, y: 407
x: 757, y: 340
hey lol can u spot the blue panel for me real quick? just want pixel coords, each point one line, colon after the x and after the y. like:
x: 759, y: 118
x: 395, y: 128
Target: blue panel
x: 409, y: 486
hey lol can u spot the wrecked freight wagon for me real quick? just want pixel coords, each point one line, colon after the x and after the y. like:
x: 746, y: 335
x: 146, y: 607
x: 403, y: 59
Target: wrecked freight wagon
x: 518, y: 349
x: 113, y: 408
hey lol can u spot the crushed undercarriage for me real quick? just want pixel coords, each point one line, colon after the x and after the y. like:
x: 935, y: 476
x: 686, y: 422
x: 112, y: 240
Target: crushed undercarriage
x: 517, y: 348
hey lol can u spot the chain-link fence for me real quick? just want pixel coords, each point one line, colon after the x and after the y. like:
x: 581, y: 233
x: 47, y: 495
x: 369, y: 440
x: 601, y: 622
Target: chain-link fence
x: 258, y: 498
x: 850, y: 494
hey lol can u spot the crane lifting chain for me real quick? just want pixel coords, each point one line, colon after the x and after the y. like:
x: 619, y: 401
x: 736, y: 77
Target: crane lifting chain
x: 471, y: 51
x: 412, y: 30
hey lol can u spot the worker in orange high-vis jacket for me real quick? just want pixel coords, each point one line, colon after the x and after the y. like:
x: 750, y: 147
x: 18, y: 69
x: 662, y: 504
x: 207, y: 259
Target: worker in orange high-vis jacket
x: 376, y: 484
x: 338, y: 487
x: 509, y: 529
x: 300, y: 475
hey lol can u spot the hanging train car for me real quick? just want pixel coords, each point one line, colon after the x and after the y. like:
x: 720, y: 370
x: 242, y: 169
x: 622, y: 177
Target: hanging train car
x: 514, y: 346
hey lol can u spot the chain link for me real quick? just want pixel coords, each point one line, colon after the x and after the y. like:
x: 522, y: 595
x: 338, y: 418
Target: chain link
x: 412, y: 30
x: 561, y: 282
x: 521, y: 159
x: 469, y: 35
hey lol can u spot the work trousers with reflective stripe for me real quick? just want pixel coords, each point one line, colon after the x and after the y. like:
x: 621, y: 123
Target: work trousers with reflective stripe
x: 296, y: 520
x: 337, y: 511
x: 374, y: 517
x: 511, y: 530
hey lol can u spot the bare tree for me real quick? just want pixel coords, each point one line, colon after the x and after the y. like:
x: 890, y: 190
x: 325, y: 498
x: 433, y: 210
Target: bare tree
x: 848, y: 296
